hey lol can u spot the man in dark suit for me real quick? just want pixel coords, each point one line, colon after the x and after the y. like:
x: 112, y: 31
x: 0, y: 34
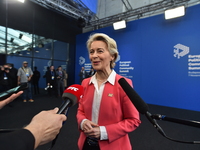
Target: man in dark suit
x: 83, y: 74
x: 51, y: 81
x: 60, y: 76
x: 13, y: 74
x: 5, y: 78
x: 35, y: 80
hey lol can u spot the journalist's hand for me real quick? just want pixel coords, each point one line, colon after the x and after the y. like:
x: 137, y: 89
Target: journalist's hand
x: 45, y: 126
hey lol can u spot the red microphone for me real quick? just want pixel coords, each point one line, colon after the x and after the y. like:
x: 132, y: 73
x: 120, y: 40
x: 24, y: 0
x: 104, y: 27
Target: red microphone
x: 70, y: 96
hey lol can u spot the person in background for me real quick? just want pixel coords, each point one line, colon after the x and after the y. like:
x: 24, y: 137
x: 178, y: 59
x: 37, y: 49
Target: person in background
x: 83, y: 74
x: 35, y: 80
x: 65, y: 79
x: 24, y: 76
x: 5, y: 78
x: 92, y: 72
x: 51, y: 81
x: 45, y: 75
x: 105, y: 114
x: 60, y: 83
x: 47, y: 69
x: 13, y: 74
x: 42, y: 129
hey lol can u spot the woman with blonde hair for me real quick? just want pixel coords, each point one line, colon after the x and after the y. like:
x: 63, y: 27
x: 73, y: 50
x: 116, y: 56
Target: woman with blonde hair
x: 105, y: 114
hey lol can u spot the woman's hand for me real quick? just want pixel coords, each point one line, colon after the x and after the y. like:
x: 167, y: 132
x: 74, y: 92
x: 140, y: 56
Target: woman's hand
x: 91, y: 129
x: 94, y: 132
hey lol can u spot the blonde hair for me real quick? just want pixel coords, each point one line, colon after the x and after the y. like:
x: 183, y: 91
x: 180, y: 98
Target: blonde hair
x: 111, y: 43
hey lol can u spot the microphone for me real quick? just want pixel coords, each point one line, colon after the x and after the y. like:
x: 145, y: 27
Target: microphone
x: 8, y: 93
x: 71, y: 96
x: 140, y: 105
x: 137, y: 101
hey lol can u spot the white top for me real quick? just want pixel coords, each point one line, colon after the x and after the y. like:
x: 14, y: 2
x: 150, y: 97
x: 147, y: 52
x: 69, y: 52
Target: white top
x: 97, y: 101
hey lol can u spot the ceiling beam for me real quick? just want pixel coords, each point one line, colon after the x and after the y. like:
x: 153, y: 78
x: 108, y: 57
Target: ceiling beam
x: 134, y: 13
x: 66, y: 9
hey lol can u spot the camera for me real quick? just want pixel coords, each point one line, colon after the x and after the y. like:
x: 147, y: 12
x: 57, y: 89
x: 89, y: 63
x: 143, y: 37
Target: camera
x: 49, y: 86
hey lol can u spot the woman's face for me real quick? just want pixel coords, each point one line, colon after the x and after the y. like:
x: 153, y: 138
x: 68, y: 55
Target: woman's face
x: 100, y: 56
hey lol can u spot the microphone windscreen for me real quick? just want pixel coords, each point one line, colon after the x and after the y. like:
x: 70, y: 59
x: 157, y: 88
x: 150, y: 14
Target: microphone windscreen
x: 140, y: 105
x: 73, y: 93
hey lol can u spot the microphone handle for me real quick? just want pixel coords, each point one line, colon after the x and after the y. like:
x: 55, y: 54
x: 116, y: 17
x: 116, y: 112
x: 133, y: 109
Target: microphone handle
x: 176, y: 120
x: 63, y: 109
x: 8, y: 130
x: 154, y: 123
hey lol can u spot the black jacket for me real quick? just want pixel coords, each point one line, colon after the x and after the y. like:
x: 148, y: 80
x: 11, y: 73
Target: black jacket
x: 8, y: 81
x: 17, y: 140
x: 49, y: 75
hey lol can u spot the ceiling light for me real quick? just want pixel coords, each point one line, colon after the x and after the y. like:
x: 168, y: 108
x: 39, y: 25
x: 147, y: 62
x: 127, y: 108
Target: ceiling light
x: 20, y: 36
x: 175, y: 12
x: 11, y: 40
x: 119, y: 25
x: 40, y: 45
x: 29, y: 49
x: 22, y: 1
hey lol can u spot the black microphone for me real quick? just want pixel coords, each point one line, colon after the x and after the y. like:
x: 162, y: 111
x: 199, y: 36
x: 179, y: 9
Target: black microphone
x: 140, y: 105
x: 8, y: 93
x: 137, y: 101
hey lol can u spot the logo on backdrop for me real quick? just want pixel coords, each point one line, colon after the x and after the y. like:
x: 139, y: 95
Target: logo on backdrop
x: 180, y: 50
x: 193, y: 60
x: 81, y: 60
x: 49, y: 63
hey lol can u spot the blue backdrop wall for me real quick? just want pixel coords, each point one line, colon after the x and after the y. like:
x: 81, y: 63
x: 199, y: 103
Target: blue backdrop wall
x: 162, y: 57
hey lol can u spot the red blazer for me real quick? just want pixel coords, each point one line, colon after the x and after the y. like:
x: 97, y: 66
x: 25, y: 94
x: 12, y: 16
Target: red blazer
x: 117, y: 114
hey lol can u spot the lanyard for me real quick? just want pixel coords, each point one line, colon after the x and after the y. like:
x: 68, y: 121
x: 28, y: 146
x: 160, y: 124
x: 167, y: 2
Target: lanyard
x: 52, y: 73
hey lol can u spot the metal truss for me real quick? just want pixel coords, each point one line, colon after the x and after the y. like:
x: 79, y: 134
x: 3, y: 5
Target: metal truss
x: 134, y: 13
x: 127, y: 4
x: 75, y: 10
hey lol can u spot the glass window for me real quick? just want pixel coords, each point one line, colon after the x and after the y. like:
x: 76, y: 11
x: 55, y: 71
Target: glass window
x: 19, y: 42
x: 42, y: 47
x: 2, y: 40
x: 37, y: 50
